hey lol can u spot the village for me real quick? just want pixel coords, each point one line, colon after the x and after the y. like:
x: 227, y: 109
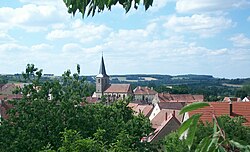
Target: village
x: 162, y: 109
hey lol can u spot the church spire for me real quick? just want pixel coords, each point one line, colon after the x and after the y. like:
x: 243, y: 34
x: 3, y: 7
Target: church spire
x: 102, y: 70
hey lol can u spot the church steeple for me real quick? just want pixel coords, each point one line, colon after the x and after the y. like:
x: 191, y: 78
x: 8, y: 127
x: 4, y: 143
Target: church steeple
x: 102, y: 80
x: 102, y: 70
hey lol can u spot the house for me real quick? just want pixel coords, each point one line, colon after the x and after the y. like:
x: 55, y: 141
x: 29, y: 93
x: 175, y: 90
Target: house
x: 144, y: 109
x: 118, y: 91
x: 144, y: 94
x: 166, y: 97
x: 246, y: 99
x: 162, y: 115
x: 232, y: 109
x: 112, y: 91
x: 231, y: 99
x: 166, y: 105
x: 170, y: 124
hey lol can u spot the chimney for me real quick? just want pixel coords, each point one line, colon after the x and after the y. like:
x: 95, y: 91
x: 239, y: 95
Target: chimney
x: 166, y: 116
x: 173, y: 114
x: 230, y: 108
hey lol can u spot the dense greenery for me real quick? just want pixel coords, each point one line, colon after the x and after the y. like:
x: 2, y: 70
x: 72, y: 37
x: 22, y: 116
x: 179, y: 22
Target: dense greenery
x: 3, y: 79
x: 244, y: 91
x: 37, y: 123
x: 223, y: 134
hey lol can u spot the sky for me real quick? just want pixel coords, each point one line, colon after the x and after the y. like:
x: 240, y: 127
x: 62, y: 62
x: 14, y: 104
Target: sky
x: 172, y: 37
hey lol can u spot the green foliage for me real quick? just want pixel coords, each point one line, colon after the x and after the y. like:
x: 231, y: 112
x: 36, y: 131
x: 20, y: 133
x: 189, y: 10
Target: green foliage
x: 92, y: 6
x: 244, y: 91
x: 172, y: 143
x: 36, y: 123
x: 73, y: 142
x: 193, y: 106
x: 224, y: 134
x: 3, y: 80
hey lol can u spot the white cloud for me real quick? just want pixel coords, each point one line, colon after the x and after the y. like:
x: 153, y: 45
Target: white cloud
x: 43, y: 2
x: 41, y: 47
x: 185, y: 6
x: 201, y: 24
x: 80, y: 32
x: 31, y: 17
x: 158, y: 4
x: 4, y: 38
x: 240, y: 40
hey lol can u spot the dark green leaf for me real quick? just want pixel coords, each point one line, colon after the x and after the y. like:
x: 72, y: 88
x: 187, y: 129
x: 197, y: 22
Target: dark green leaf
x: 193, y: 106
x: 192, y: 130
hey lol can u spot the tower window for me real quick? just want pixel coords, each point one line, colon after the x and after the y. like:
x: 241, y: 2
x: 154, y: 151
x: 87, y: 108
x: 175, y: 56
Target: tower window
x: 99, y: 81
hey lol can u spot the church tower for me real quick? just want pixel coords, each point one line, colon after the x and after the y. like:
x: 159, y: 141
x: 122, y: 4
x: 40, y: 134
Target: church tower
x: 102, y: 80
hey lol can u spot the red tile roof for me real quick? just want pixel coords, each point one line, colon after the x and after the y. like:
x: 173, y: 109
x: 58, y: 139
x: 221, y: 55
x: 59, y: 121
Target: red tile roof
x: 91, y: 99
x: 166, y: 127
x: 172, y: 105
x: 223, y: 108
x: 144, y: 109
x: 120, y: 88
x: 166, y: 97
x: 133, y: 106
x: 163, y: 115
x: 144, y: 91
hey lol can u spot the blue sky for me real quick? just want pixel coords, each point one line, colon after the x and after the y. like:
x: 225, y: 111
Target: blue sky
x: 173, y: 37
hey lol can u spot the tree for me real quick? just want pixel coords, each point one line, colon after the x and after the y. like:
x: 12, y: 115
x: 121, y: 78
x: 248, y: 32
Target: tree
x: 93, y: 6
x: 172, y: 143
x: 244, y: 91
x: 36, y: 122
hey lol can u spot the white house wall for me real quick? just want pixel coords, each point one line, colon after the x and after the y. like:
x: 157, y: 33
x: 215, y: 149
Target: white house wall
x: 155, y: 111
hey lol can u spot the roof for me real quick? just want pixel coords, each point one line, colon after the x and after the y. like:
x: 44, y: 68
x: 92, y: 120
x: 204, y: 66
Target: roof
x: 166, y: 127
x: 198, y: 97
x: 102, y: 70
x: 133, y: 106
x: 144, y: 109
x: 10, y: 97
x: 223, y: 108
x: 144, y: 91
x: 163, y: 115
x: 91, y: 99
x: 171, y: 105
x: 166, y: 97
x: 234, y: 99
x: 121, y: 88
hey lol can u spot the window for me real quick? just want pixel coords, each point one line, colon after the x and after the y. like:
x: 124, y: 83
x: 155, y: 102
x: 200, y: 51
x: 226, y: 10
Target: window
x: 99, y: 80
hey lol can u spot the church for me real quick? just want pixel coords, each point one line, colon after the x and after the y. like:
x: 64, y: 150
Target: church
x: 111, y: 91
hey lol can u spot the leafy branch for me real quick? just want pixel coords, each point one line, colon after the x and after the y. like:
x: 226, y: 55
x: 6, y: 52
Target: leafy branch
x: 92, y: 6
x: 214, y: 142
